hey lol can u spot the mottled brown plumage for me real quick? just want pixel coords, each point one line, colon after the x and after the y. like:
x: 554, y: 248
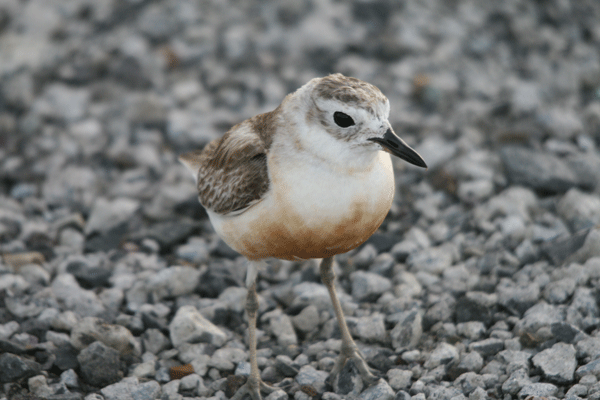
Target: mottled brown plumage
x: 232, y: 170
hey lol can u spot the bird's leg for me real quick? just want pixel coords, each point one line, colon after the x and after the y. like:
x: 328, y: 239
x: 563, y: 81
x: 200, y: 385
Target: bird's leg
x: 254, y: 384
x: 349, y: 349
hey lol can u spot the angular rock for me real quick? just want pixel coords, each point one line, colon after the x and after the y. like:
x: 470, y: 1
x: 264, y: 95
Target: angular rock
x: 538, y: 390
x: 91, y: 329
x: 189, y: 326
x: 542, y: 172
x: 557, y: 363
x: 408, y: 330
x: 13, y: 368
x: 174, y: 281
x: 367, y: 286
x: 100, y: 365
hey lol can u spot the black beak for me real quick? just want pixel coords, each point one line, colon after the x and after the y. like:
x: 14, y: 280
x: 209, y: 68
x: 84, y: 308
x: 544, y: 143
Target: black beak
x: 396, y: 146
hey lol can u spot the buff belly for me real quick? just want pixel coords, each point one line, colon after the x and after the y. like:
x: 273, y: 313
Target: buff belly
x: 319, y: 218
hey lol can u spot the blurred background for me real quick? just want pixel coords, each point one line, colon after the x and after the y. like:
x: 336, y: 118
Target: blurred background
x: 502, y: 99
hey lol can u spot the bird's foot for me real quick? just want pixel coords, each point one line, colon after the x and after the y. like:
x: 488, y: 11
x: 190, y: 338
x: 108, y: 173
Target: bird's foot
x: 253, y: 387
x: 350, y: 351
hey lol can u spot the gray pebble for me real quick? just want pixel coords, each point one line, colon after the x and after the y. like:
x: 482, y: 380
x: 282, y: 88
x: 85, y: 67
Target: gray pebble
x: 557, y: 363
x: 538, y: 171
x: 368, y: 286
x: 100, y: 365
x: 538, y: 389
x: 116, y: 336
x: 189, y: 325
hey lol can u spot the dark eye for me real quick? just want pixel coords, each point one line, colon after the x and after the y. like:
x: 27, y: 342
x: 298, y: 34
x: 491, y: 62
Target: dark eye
x: 343, y: 120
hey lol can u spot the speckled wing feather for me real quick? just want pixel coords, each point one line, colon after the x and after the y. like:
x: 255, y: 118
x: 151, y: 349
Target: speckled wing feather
x: 232, y: 170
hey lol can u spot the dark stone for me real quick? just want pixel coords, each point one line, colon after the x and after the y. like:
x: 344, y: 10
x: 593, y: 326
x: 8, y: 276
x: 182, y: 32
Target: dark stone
x: 13, y: 368
x: 402, y: 395
x: 107, y: 241
x: 383, y: 242
x: 564, y: 332
x: 6, y: 346
x: 66, y: 357
x: 381, y: 362
x: 213, y: 283
x: 9, y: 229
x: 41, y: 242
x: 89, y: 277
x: 349, y: 379
x: 65, y: 396
x: 285, y: 368
x: 150, y: 321
x: 223, y: 250
x: 100, y: 365
x: 169, y: 233
x: 488, y: 347
x: 129, y: 71
x: 543, y: 172
x: 468, y: 309
x: 557, y: 250
x: 191, y: 208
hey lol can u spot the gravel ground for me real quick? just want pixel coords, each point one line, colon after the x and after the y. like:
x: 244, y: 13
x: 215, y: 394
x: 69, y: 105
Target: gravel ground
x: 483, y: 282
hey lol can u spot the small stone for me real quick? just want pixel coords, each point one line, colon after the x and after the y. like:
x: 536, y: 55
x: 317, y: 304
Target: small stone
x: 407, y: 332
x: 433, y: 260
x: 154, y: 341
x: 367, y: 286
x: 557, y: 363
x: 518, y: 299
x: 399, y: 379
x: 174, y: 281
x: 83, y: 302
x: 471, y: 361
x: 312, y: 377
x: 39, y: 386
x: 281, y: 326
x: 190, y: 326
x: 516, y: 381
x: 146, y: 390
x: 13, y: 368
x: 195, y: 251
x: 369, y: 329
x: 588, y: 347
x: 538, y: 390
x: 380, y: 391
x: 227, y: 358
x: 443, y: 354
x: 579, y: 209
x: 307, y: 320
x: 285, y: 367
x: 144, y: 370
x: 107, y: 214
x: 472, y: 330
x: 487, y: 347
x: 469, y: 381
x: 348, y: 382
x: 475, y: 191
x: 7, y: 330
x: 118, y: 337
x: 120, y: 390
x: 100, y: 364
x: 591, y: 368
x: 540, y: 171
x: 70, y: 379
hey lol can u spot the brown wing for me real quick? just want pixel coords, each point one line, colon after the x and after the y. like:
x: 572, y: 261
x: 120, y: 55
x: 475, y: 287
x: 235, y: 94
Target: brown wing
x: 232, y: 170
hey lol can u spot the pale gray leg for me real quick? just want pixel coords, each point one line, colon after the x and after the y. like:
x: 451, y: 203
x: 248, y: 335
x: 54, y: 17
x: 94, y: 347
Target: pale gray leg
x: 349, y: 349
x: 254, y: 384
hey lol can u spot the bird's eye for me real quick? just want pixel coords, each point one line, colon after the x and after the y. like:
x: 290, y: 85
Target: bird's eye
x: 342, y: 120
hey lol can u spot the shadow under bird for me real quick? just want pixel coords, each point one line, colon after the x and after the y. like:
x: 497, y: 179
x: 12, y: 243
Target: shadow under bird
x: 311, y: 179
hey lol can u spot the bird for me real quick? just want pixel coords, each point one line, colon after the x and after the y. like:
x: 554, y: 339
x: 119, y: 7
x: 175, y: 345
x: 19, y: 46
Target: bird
x: 311, y: 179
